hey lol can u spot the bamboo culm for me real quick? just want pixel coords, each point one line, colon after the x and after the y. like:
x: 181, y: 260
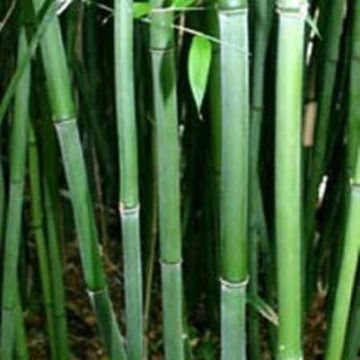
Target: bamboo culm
x: 168, y: 176
x: 18, y: 144
x: 288, y: 208
x: 64, y: 116
x: 129, y: 189
x: 350, y: 256
x: 234, y: 60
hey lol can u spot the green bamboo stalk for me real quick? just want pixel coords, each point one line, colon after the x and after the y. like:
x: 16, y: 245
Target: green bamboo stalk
x: 257, y: 230
x: 37, y: 226
x: 56, y: 327
x: 14, y: 212
x: 212, y: 196
x: 63, y: 108
x: 234, y: 72
x: 168, y: 176
x: 350, y: 256
x: 352, y: 346
x: 50, y: 199
x: 333, y: 20
x: 288, y: 209
x: 56, y: 273
x: 46, y: 15
x: 128, y: 164
x: 340, y: 314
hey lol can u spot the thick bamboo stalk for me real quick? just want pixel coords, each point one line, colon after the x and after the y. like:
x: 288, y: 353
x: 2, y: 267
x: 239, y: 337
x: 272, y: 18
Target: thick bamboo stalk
x: 64, y: 116
x: 288, y: 209
x: 168, y: 177
x: 14, y: 212
x: 128, y: 164
x: 234, y: 60
x: 350, y: 257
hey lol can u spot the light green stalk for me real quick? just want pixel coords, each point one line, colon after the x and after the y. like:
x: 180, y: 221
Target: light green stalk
x: 288, y: 209
x: 14, y: 211
x: 168, y: 177
x: 128, y: 164
x: 64, y: 116
x: 234, y: 72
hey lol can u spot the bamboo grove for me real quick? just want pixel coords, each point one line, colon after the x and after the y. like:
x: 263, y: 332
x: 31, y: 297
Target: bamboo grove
x: 180, y: 179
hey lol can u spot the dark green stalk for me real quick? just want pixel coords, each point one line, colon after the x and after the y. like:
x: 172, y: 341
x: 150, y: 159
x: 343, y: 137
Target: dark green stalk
x: 64, y: 116
x: 56, y: 327
x: 212, y: 197
x: 51, y: 201
x: 128, y: 164
x: 234, y: 70
x: 257, y: 218
x: 288, y: 209
x: 152, y: 235
x: 56, y: 277
x: 333, y: 20
x: 37, y: 226
x: 350, y: 256
x: 168, y: 176
x: 14, y: 212
x: 46, y: 16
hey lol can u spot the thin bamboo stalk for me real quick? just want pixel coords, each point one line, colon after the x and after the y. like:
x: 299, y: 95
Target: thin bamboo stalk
x: 353, y: 333
x: 234, y: 72
x: 288, y: 209
x: 63, y: 108
x: 50, y: 199
x: 129, y: 206
x: 37, y: 227
x: 168, y: 176
x: 330, y: 52
x: 257, y: 230
x: 14, y: 211
x: 350, y: 257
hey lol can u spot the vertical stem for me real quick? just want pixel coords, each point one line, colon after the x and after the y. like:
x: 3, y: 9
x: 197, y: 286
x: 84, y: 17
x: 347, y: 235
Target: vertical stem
x: 129, y: 189
x: 14, y: 213
x: 330, y: 55
x: 37, y: 226
x: 257, y: 230
x: 234, y: 70
x: 347, y: 274
x: 288, y: 162
x: 63, y: 108
x: 168, y: 169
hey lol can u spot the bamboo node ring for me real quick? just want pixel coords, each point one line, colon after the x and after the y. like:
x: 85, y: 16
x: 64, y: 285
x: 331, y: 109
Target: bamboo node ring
x: 240, y: 285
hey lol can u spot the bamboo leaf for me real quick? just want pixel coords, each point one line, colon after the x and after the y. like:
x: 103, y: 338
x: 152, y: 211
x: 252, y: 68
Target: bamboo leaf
x: 198, y: 68
x: 182, y: 3
x: 141, y: 9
